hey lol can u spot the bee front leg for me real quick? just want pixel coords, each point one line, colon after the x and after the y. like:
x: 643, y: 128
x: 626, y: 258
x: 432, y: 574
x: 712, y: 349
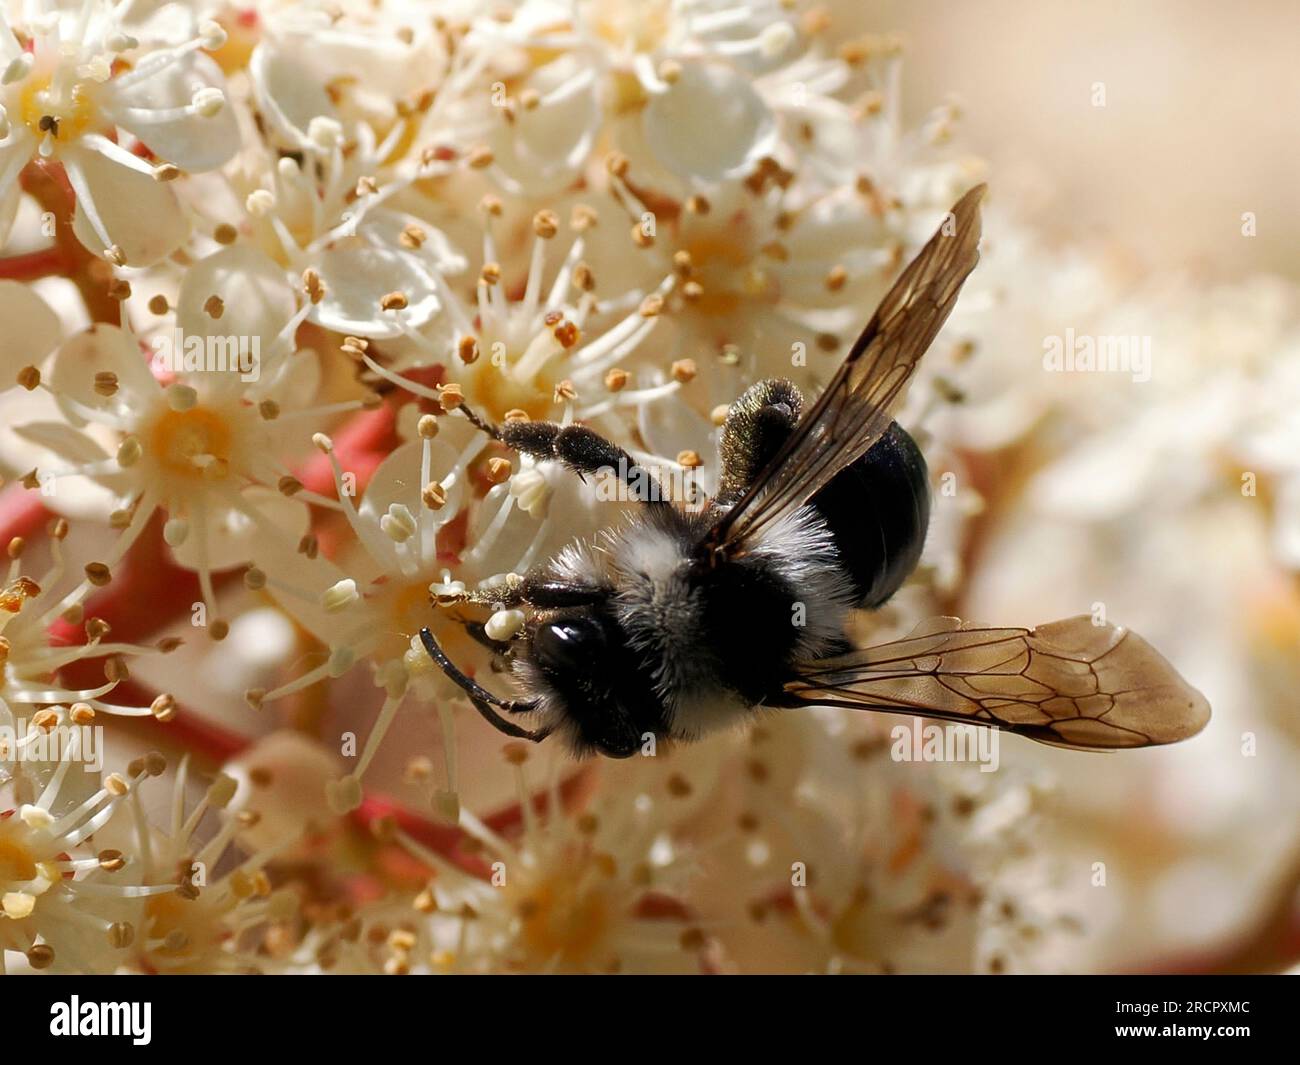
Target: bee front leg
x: 583, y: 451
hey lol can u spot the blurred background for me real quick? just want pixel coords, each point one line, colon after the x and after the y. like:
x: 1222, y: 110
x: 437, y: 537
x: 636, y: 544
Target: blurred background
x: 1139, y: 496
x: 1198, y: 126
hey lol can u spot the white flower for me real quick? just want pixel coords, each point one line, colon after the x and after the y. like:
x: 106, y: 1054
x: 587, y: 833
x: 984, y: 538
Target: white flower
x: 72, y: 100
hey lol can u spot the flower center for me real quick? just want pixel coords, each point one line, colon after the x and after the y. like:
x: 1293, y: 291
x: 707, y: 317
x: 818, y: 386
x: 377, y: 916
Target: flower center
x: 198, y: 925
x: 496, y: 389
x: 559, y: 920
x: 192, y: 443
x: 65, y: 112
x: 17, y: 863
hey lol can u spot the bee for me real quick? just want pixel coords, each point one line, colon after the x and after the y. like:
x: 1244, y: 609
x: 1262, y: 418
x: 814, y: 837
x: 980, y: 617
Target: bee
x: 689, y: 619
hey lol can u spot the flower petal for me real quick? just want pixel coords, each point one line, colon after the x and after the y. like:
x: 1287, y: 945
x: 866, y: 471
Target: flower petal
x: 709, y: 124
x: 31, y: 330
x: 141, y: 216
x: 357, y: 275
x: 288, y: 93
x: 190, y: 141
x: 229, y: 537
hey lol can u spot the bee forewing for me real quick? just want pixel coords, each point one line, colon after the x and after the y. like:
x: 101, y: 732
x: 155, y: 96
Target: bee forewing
x: 1072, y: 683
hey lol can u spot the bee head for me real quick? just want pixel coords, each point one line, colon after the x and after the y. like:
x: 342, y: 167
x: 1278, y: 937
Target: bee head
x: 577, y: 668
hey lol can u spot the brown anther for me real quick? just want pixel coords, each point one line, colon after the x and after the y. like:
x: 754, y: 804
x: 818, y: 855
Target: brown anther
x: 98, y: 574
x: 584, y: 280
x: 214, y: 306
x: 412, y: 236
x: 564, y: 392
x: 163, y: 707
x: 678, y: 786
x: 616, y: 163
x: 515, y: 414
x: 616, y: 379
x: 515, y: 753
x: 354, y: 347
x: 115, y: 784
x: 288, y: 485
x: 366, y: 186
x: 641, y: 237
x: 158, y: 304
x: 166, y: 172
x: 115, y: 255
x: 698, y: 205
x: 81, y: 713
x: 45, y: 720
x: 110, y: 860
x: 451, y: 396
x: 29, y: 377
x: 41, y: 956
x: 394, y: 301
x: 684, y: 370
x: 115, y: 669
x: 119, y: 289
x: 529, y: 99
x: 652, y: 306
x: 689, y: 459
x: 311, y: 284
x: 467, y: 349
x: 498, y: 470
x: 479, y: 156
x: 168, y: 644
x: 15, y: 547
x: 269, y: 409
x: 254, y: 697
x: 254, y: 579
x: 546, y: 224
x: 692, y: 939
x: 434, y: 496
x: 567, y: 333
x: 490, y: 274
x: 582, y: 218
x: 225, y: 233
x: 121, y: 934
x: 491, y: 205
x: 155, y: 764
x: 105, y: 383
x: 30, y: 480
x: 219, y: 630
x: 309, y: 546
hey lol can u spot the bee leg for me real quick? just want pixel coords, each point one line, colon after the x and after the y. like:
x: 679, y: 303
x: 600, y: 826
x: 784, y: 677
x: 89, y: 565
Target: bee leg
x: 583, y: 451
x: 757, y: 424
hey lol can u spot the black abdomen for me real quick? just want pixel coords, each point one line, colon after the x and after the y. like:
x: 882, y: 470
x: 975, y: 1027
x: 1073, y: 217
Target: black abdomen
x: 878, y: 510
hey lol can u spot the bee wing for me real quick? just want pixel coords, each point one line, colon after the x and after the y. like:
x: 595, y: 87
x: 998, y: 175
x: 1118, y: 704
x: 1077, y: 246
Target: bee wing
x: 1071, y: 683
x: 855, y: 409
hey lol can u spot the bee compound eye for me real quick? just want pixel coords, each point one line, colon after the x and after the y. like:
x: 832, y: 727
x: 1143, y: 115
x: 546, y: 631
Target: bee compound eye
x: 572, y: 642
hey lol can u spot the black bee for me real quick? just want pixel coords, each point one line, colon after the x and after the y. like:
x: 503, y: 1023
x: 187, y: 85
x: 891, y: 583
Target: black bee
x: 687, y: 619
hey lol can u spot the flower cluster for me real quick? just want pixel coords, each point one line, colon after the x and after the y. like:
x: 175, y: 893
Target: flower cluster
x: 265, y: 270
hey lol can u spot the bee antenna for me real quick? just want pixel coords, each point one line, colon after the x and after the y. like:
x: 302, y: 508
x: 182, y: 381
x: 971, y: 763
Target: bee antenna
x: 484, y: 700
